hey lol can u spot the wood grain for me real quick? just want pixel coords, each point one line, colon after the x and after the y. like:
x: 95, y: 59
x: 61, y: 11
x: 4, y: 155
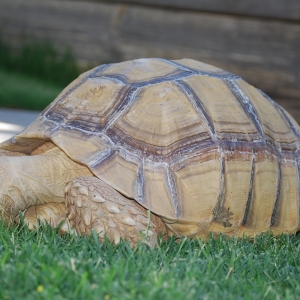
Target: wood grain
x: 287, y: 9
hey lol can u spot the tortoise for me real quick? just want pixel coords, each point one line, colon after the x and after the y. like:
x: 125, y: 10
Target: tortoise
x: 151, y: 146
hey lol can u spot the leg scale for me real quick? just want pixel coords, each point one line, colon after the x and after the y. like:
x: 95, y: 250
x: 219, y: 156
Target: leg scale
x: 93, y: 204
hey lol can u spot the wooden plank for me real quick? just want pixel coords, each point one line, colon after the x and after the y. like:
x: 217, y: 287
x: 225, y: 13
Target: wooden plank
x: 265, y: 53
x: 279, y: 9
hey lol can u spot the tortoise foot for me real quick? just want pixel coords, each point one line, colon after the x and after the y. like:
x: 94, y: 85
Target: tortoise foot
x: 92, y: 204
x: 52, y: 213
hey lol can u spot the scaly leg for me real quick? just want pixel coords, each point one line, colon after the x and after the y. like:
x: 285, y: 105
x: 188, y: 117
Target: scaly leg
x: 93, y: 204
x: 52, y: 213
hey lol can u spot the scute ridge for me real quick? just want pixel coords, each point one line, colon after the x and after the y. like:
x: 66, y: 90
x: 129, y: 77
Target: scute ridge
x: 250, y: 191
x: 140, y: 183
x: 174, y: 63
x: 124, y: 80
x: 131, y: 98
x: 60, y: 97
x: 173, y: 191
x: 219, y: 208
x: 247, y: 106
x: 104, y: 155
x: 117, y: 79
x: 185, y: 73
x: 292, y: 126
x: 279, y: 181
x: 196, y: 102
x: 203, y: 73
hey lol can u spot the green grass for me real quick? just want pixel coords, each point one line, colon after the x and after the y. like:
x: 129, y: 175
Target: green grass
x: 31, y: 77
x: 44, y: 265
x: 20, y: 91
x: 40, y: 60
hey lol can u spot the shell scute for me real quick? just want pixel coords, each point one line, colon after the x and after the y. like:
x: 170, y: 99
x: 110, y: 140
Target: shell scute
x: 141, y: 70
x: 274, y: 124
x: 161, y: 117
x: 226, y: 115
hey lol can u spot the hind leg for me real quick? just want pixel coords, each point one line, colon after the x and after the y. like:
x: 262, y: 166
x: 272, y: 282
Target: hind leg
x: 93, y: 204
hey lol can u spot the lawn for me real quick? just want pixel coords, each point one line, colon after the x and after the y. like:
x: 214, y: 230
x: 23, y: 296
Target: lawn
x: 44, y: 265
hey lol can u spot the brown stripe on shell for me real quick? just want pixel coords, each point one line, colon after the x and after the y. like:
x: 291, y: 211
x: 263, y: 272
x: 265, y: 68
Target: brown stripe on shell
x: 96, y: 146
x: 296, y: 130
x: 220, y: 213
x: 101, y: 158
x: 52, y: 111
x: 88, y: 109
x: 198, y: 188
x: 263, y: 194
x: 159, y: 190
x: 127, y: 103
x: 279, y: 181
x: 165, y: 153
x: 250, y: 192
x: 161, y: 116
x: 247, y: 106
x: 227, y: 115
x: 196, y: 102
x: 286, y: 217
x: 120, y: 170
x: 173, y: 190
x: 271, y: 119
x: 203, y: 69
x: 140, y: 184
x: 69, y: 89
x: 237, y: 171
x: 158, y: 80
x: 293, y: 125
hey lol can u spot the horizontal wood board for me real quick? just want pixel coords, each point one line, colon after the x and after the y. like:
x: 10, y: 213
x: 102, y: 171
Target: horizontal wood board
x: 264, y: 52
x: 278, y: 9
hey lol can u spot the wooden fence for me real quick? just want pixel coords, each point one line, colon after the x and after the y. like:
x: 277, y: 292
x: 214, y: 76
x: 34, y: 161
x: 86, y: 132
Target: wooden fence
x: 256, y: 39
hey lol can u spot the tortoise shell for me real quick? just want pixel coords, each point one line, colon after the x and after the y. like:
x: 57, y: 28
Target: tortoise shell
x: 192, y: 143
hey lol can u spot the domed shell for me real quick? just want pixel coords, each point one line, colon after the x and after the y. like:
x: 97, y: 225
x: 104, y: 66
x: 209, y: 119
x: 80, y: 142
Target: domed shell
x: 192, y: 143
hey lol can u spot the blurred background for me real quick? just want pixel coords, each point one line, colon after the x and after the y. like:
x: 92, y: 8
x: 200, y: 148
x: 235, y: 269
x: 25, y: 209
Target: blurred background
x: 46, y: 44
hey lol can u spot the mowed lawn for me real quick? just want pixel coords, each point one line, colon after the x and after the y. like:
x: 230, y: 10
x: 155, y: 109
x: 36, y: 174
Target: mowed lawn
x: 42, y: 264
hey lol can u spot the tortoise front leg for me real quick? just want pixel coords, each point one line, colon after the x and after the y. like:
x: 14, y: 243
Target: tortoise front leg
x: 28, y: 180
x: 52, y: 213
x: 93, y: 204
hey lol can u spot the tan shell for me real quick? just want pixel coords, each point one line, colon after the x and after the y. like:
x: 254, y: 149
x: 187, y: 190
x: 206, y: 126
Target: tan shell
x: 196, y: 145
